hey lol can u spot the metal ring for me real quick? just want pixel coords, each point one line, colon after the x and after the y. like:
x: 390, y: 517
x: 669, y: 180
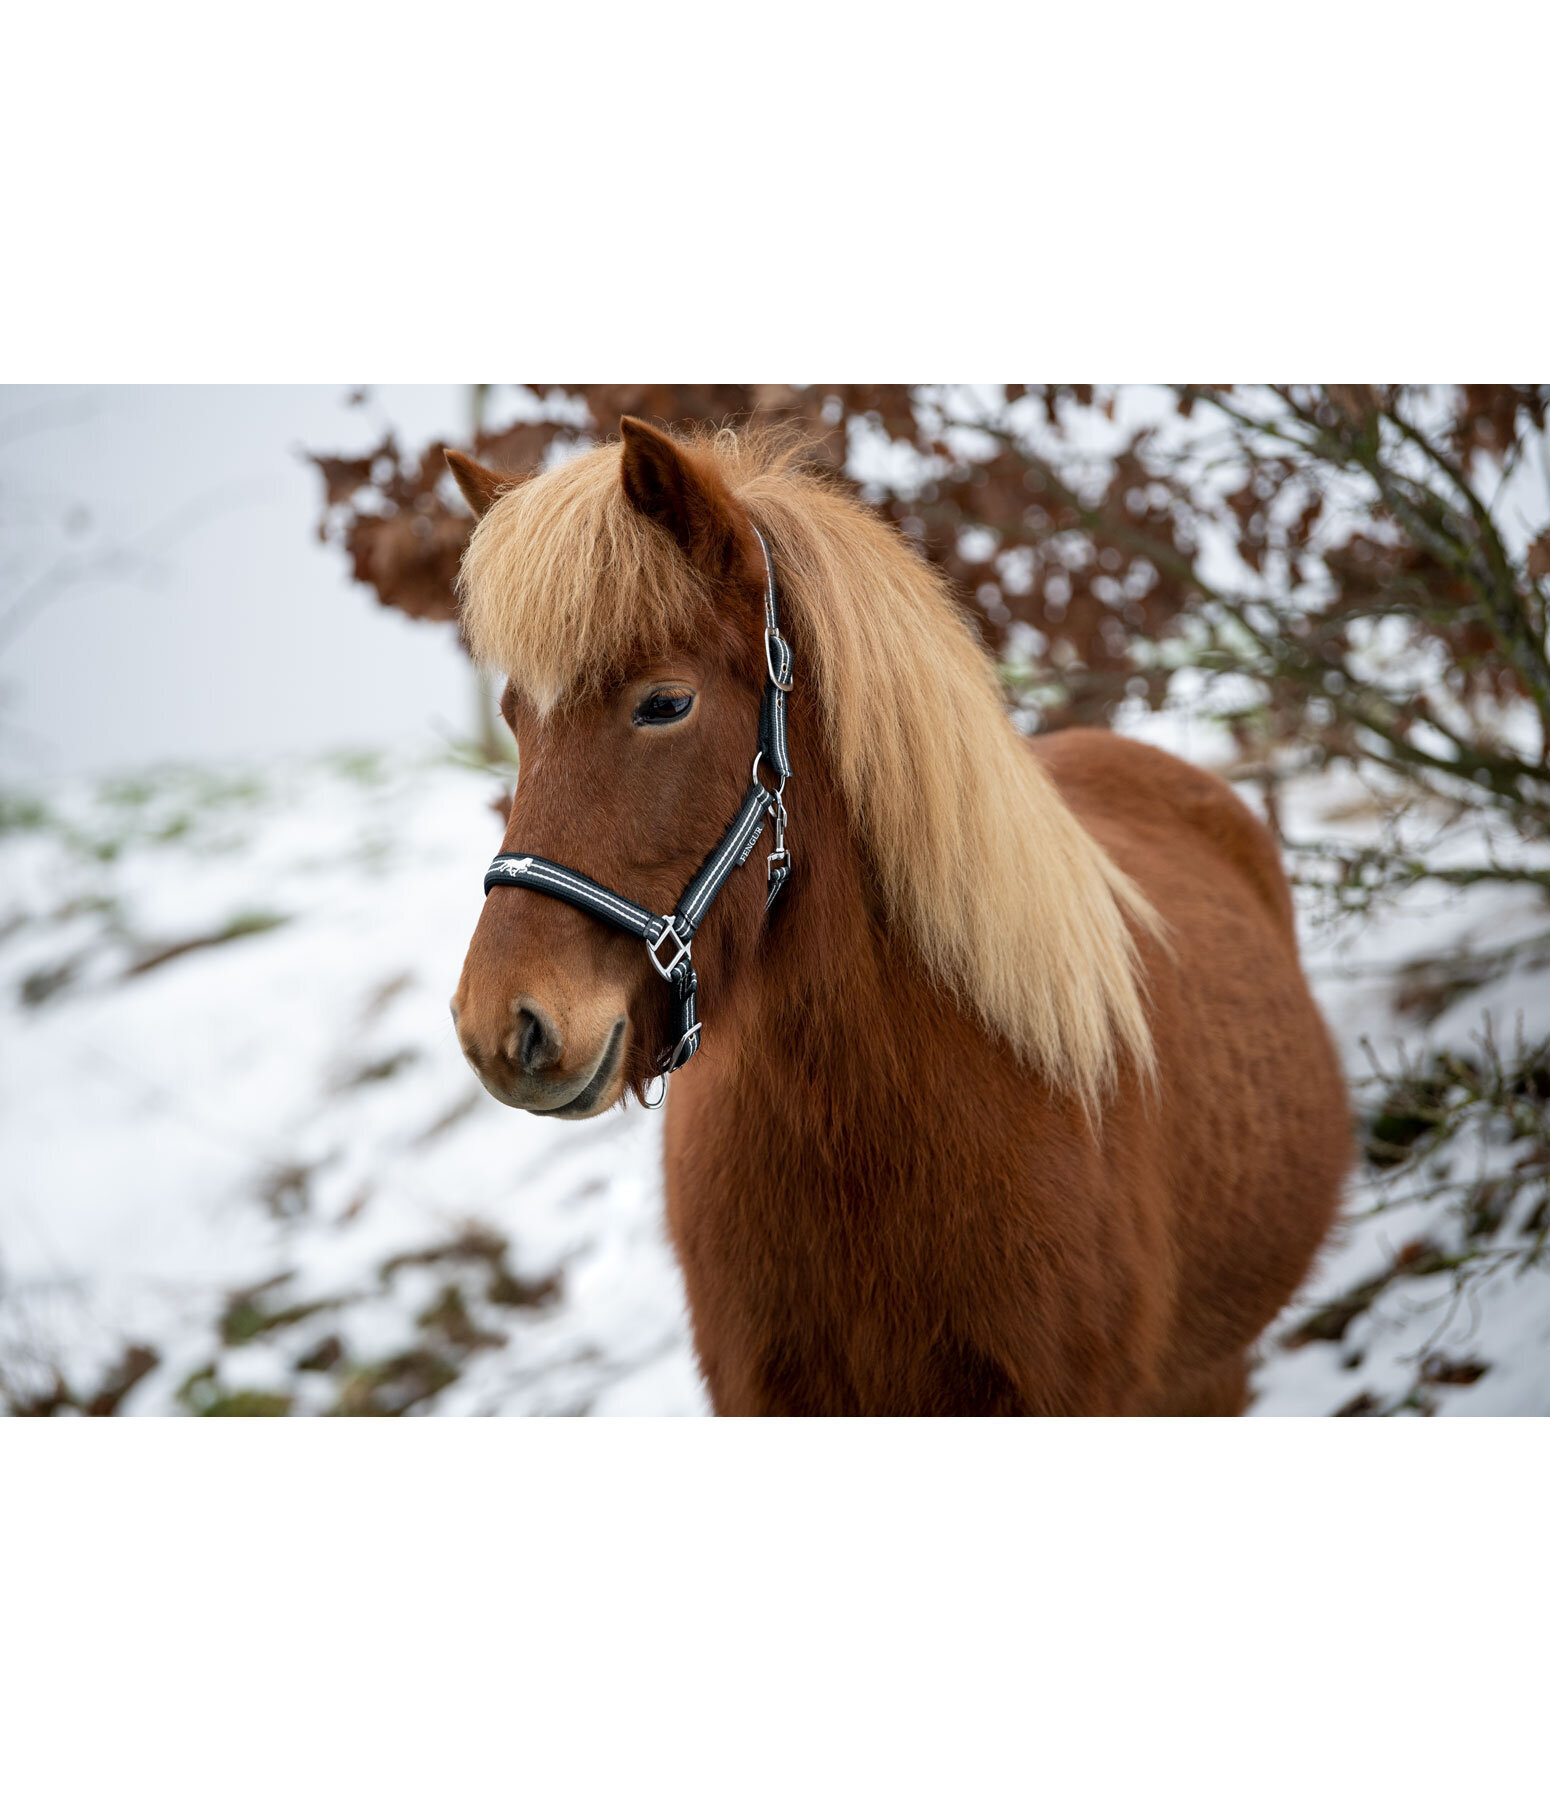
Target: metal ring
x: 673, y: 1064
x: 774, y: 792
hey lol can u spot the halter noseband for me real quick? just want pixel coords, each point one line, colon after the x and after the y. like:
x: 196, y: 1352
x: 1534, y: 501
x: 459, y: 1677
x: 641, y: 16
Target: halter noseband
x: 668, y: 940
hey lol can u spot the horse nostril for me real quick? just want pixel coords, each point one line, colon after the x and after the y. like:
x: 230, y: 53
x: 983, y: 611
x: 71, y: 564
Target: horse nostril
x: 538, y: 1043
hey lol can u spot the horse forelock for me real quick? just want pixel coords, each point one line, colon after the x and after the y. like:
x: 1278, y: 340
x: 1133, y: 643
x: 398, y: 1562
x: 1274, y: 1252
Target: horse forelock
x: 563, y: 583
x: 1010, y: 902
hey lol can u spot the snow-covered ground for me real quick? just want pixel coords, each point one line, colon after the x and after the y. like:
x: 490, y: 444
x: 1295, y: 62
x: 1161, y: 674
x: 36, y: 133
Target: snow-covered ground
x: 236, y: 1134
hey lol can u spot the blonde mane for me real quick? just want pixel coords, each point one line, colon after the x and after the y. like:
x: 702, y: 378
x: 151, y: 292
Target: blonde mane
x: 1011, y: 904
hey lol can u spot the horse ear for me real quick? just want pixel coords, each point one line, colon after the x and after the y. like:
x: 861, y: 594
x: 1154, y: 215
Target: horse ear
x: 671, y: 485
x: 481, y: 487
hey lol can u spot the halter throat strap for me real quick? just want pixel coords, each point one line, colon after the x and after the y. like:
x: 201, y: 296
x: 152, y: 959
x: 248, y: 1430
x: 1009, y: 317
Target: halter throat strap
x: 668, y: 938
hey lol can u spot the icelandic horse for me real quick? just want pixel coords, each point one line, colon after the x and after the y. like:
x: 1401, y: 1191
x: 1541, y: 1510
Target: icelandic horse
x: 1018, y: 1101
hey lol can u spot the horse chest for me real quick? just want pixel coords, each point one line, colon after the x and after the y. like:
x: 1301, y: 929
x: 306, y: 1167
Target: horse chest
x: 816, y: 1287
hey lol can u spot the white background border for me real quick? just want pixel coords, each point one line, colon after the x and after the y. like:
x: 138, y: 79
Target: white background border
x: 899, y: 193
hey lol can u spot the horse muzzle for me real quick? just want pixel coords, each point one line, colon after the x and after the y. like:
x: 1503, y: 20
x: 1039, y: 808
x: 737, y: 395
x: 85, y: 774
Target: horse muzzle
x: 529, y: 1062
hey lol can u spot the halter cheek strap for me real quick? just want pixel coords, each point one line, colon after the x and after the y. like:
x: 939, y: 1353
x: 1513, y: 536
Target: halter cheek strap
x: 668, y: 939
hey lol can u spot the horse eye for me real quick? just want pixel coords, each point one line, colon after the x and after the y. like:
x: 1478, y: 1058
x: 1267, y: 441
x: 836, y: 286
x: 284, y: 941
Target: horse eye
x: 663, y: 709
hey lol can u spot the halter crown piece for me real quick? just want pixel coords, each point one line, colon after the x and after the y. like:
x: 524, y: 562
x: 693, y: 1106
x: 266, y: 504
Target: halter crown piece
x: 668, y: 940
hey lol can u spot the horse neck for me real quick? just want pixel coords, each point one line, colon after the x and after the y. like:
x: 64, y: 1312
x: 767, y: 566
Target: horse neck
x: 832, y: 1009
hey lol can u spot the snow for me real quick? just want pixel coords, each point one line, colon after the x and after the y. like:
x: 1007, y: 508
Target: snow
x: 291, y: 1107
x: 265, y: 1158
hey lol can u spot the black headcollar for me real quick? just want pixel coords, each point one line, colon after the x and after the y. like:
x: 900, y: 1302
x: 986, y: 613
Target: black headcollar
x: 668, y: 940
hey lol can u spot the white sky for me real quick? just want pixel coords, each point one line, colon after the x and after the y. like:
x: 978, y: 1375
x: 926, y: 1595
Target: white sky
x: 244, y: 636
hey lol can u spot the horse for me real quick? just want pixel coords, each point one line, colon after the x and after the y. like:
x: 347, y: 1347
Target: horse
x: 1018, y: 1101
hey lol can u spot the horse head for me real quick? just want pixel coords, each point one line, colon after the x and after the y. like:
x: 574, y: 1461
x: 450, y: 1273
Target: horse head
x: 623, y: 594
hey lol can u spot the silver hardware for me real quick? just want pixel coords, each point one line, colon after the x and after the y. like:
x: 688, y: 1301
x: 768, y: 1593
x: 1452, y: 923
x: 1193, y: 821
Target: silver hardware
x: 771, y: 661
x: 774, y: 792
x: 665, y: 970
x: 674, y: 1063
x: 780, y: 856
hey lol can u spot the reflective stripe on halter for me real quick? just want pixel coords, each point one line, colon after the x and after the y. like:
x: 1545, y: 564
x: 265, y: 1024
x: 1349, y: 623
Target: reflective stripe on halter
x: 667, y: 940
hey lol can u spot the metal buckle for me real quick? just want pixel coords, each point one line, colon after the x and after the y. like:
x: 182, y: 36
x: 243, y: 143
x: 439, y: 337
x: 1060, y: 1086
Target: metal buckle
x: 665, y: 970
x: 770, y: 662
